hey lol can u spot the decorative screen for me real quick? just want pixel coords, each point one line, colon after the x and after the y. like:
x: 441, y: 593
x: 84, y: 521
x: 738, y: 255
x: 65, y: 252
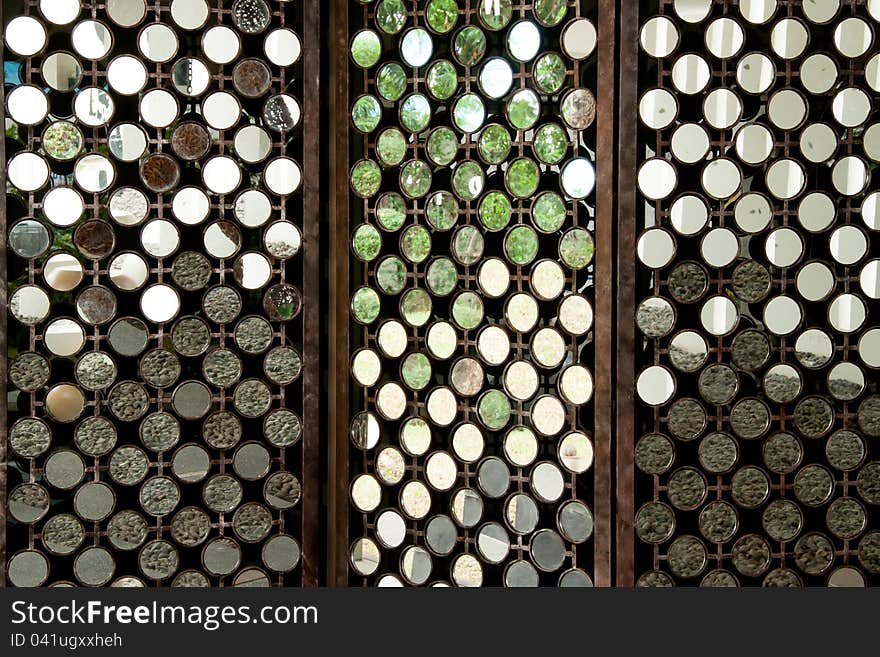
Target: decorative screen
x: 155, y: 163
x: 471, y: 229
x: 757, y: 389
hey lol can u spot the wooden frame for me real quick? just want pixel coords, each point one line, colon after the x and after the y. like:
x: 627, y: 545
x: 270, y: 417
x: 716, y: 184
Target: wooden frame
x: 604, y: 293
x: 338, y: 388
x: 625, y: 282
x: 312, y: 295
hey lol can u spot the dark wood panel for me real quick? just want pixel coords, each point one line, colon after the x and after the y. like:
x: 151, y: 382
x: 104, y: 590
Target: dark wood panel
x: 338, y: 389
x: 604, y: 283
x: 313, y: 294
x: 627, y: 117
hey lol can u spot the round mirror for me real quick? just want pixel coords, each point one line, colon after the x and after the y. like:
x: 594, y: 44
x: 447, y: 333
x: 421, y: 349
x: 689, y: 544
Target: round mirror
x: 755, y: 73
x: 579, y: 39
x: 719, y: 316
x: 27, y: 171
x: 127, y: 142
x: 782, y: 315
x: 127, y: 75
x: 61, y: 71
x: 158, y: 108
x: 724, y: 37
x: 658, y: 108
x: 158, y: 42
x: 659, y: 36
x: 655, y: 386
x: 25, y: 36
x: 691, y: 74
x: 91, y: 39
x: 190, y: 76
x: 221, y: 44
x: 27, y: 104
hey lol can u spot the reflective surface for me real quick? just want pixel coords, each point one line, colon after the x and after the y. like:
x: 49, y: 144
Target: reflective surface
x: 754, y: 459
x: 155, y: 223
x: 472, y: 185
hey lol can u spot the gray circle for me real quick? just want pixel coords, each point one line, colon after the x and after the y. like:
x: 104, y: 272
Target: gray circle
x: 192, y: 400
x: 28, y: 568
x: 251, y: 461
x: 575, y: 521
x: 440, y: 535
x: 64, y: 469
x: 547, y: 550
x: 28, y: 503
x: 191, y: 464
x: 221, y: 556
x: 94, y: 566
x: 94, y: 501
x: 281, y: 553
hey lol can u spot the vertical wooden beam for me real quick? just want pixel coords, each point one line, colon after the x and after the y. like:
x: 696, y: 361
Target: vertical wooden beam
x: 311, y: 543
x: 627, y: 116
x: 604, y: 291
x: 338, y: 401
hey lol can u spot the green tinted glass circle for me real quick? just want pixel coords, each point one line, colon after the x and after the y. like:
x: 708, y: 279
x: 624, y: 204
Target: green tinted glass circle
x: 415, y: 370
x: 521, y: 245
x: 494, y: 409
x: 391, y: 16
x: 415, y: 244
x: 469, y: 113
x: 467, y: 245
x: 442, y: 277
x: 549, y: 73
x: 415, y: 112
x: 442, y: 146
x: 469, y: 46
x: 468, y: 180
x: 551, y: 143
x: 494, y: 211
x: 523, y: 177
x: 62, y: 140
x: 416, y: 307
x: 365, y: 305
x: 496, y: 14
x: 391, y: 81
x: 366, y: 113
x: 391, y: 275
x: 523, y: 109
x: 415, y: 178
x: 441, y: 15
x: 550, y: 12
x: 467, y: 310
x: 442, y: 79
x: 576, y: 248
x: 494, y: 144
x: 366, y: 48
x: 391, y: 211
x: 442, y: 211
x: 548, y: 212
x: 366, y: 178
x: 391, y: 147
x: 366, y: 242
